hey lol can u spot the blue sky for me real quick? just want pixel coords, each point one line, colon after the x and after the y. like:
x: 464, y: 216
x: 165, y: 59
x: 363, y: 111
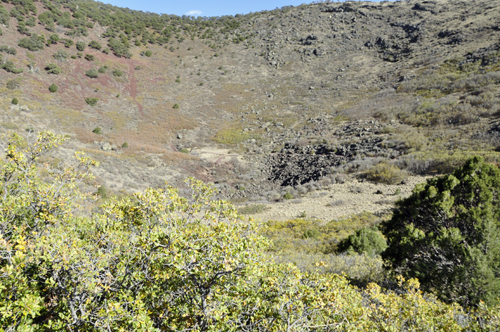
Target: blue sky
x: 204, y: 8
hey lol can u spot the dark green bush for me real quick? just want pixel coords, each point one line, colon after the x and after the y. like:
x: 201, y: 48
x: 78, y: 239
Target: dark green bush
x: 97, y: 130
x: 446, y: 234
x: 23, y: 29
x: 288, y: 196
x: 60, y: 55
x: 119, y: 48
x: 176, y: 106
x: 365, y: 240
x: 89, y: 57
x: 125, y: 145
x: 80, y: 46
x: 53, y: 88
x: 102, y: 70
x: 148, y: 53
x: 9, y: 67
x: 92, y: 73
x: 31, y: 22
x: 117, y: 73
x: 91, y: 101
x: 67, y: 42
x: 8, y: 50
x: 95, y: 45
x: 53, y: 39
x: 52, y: 68
x: 15, y: 101
x: 33, y: 43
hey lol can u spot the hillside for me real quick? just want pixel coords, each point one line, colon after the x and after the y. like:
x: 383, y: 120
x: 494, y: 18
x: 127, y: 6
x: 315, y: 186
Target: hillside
x: 288, y: 101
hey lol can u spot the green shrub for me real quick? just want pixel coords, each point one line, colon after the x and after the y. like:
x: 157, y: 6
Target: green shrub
x: 365, y: 240
x: 102, y: 70
x: 53, y: 39
x: 92, y: 73
x: 52, y: 68
x: 33, y: 43
x: 125, y: 145
x: 148, y: 53
x: 385, y: 173
x: 91, y: 101
x: 184, y: 150
x: 60, y: 55
x: 8, y: 50
x: 31, y: 22
x: 311, y: 234
x: 15, y: 101
x: 95, y: 45
x: 89, y: 57
x: 68, y: 42
x: 80, y: 46
x: 74, y: 57
x: 53, y: 88
x: 117, y: 73
x: 9, y: 67
x: 97, y: 131
x: 446, y: 234
x: 119, y: 48
x: 102, y: 191
x: 288, y: 196
x: 105, y: 51
x: 176, y: 106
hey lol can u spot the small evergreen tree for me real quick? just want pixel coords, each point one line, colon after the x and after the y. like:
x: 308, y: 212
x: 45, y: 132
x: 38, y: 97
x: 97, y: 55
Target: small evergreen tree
x: 15, y: 101
x: 447, y: 234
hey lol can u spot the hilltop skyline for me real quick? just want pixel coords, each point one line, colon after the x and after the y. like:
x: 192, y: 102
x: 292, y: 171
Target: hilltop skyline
x: 205, y: 8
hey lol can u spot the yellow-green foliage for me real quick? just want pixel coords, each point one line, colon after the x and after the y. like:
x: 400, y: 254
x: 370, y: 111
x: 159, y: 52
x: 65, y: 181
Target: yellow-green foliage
x: 162, y: 262
x: 445, y: 162
x: 359, y: 268
x: 314, y: 236
x: 231, y: 136
x: 385, y: 173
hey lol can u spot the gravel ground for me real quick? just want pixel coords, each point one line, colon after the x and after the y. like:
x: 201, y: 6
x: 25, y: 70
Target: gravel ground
x: 351, y: 197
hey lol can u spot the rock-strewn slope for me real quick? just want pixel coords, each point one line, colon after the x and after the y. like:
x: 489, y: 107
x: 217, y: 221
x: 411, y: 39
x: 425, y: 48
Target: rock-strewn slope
x: 299, y: 95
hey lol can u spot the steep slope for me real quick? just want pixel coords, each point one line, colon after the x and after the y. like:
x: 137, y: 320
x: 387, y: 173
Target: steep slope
x: 274, y: 102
